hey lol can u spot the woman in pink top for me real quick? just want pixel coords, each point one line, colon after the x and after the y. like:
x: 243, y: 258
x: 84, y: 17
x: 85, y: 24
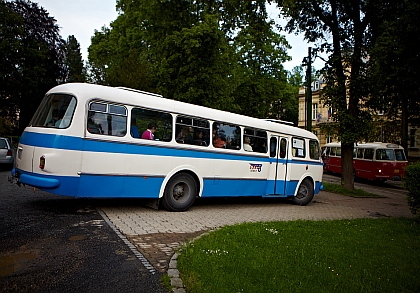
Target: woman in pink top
x: 148, y: 134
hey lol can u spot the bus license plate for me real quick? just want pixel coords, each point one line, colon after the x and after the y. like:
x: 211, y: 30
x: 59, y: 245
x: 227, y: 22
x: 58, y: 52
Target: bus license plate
x: 396, y: 170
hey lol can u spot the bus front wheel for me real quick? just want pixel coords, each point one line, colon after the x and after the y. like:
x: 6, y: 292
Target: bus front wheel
x: 180, y: 193
x: 305, y: 193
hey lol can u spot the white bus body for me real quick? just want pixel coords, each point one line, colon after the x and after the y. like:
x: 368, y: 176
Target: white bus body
x: 78, y: 155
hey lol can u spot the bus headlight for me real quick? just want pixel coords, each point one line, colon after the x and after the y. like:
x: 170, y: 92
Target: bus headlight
x: 379, y: 171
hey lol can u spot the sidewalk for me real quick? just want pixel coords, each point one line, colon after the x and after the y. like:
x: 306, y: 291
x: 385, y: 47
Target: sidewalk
x: 158, y: 233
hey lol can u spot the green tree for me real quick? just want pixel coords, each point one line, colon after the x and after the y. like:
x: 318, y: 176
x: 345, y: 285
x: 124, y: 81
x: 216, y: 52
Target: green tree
x: 119, y: 55
x: 11, y: 32
x: 341, y: 28
x: 261, y: 53
x: 394, y: 62
x: 74, y: 70
x: 32, y: 45
x: 221, y: 54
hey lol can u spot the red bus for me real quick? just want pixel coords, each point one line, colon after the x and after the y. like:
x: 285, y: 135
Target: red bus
x: 374, y: 161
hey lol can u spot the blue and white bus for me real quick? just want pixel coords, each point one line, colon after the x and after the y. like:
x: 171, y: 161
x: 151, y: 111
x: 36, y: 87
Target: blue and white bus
x: 89, y: 140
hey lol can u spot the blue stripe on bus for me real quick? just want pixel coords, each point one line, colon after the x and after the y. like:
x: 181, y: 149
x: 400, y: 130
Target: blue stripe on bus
x: 97, y: 185
x: 119, y: 186
x: 78, y: 144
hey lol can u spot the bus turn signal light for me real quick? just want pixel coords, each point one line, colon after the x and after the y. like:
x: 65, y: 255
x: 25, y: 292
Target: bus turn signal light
x: 42, y: 163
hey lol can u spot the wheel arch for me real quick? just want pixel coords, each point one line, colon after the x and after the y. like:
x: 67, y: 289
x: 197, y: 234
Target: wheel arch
x: 303, y: 178
x: 183, y: 169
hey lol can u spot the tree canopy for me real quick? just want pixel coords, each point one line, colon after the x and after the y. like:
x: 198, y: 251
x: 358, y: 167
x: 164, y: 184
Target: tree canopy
x: 394, y: 63
x: 34, y: 59
x: 73, y: 67
x: 345, y: 30
x: 220, y: 54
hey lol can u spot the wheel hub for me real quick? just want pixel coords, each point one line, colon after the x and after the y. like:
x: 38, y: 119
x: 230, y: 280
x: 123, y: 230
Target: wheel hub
x: 178, y: 191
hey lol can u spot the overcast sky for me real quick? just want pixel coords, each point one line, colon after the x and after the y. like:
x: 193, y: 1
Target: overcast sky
x: 82, y: 17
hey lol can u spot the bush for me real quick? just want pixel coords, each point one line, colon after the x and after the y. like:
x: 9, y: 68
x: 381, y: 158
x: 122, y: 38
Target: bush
x: 412, y: 183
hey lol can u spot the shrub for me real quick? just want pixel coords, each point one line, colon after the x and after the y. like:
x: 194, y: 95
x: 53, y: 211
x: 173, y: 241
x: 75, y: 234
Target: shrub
x: 412, y: 183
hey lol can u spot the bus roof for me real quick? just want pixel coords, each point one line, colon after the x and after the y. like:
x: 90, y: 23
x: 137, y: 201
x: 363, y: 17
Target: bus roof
x: 86, y: 92
x: 374, y: 145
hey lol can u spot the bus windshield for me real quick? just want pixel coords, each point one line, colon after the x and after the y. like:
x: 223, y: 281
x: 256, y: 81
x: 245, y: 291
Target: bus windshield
x: 55, y: 111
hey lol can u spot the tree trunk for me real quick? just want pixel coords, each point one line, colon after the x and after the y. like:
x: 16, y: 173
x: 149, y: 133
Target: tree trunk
x: 404, y: 124
x: 347, y: 173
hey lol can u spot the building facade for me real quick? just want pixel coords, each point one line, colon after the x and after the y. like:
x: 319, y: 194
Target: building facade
x: 322, y: 115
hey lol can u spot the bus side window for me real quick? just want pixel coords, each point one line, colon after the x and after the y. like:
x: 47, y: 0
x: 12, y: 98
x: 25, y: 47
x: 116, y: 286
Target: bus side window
x: 192, y: 131
x: 359, y: 153
x: 226, y: 135
x: 107, y: 119
x: 369, y: 154
x: 255, y: 140
x: 298, y: 147
x: 140, y: 119
x: 283, y: 148
x: 338, y: 152
x: 399, y: 155
x: 273, y: 147
x: 314, y: 149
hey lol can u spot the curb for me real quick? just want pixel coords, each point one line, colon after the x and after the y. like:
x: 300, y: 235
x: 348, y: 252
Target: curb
x: 173, y: 273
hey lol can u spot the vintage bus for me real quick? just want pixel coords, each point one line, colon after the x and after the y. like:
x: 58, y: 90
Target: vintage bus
x: 373, y: 161
x: 95, y: 141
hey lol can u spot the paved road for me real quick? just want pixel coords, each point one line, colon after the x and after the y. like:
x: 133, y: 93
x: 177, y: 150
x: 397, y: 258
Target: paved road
x: 121, y: 244
x: 60, y: 244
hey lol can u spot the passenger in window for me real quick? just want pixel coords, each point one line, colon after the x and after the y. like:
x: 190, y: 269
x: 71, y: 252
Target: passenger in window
x: 134, y: 129
x: 180, y: 138
x: 189, y: 137
x: 247, y: 146
x: 260, y: 147
x: 200, y: 139
x: 149, y: 132
x: 217, y: 141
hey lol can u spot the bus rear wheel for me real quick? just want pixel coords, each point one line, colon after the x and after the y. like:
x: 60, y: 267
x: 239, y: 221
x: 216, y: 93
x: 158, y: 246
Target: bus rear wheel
x: 305, y: 193
x: 180, y: 193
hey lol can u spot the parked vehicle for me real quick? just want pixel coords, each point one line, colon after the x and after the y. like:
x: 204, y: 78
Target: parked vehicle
x: 6, y: 153
x: 373, y: 161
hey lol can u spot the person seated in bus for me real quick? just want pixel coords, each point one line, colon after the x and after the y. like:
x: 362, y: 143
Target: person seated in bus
x: 218, y: 142
x: 199, y: 140
x: 261, y: 147
x: 134, y: 130
x: 189, y: 139
x: 247, y: 146
x: 149, y: 132
x: 180, y: 138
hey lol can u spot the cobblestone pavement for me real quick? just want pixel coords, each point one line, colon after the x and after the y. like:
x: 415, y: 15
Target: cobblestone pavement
x: 157, y: 234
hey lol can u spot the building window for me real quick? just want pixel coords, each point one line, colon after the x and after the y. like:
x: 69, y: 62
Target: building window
x: 314, y: 111
x: 413, y: 137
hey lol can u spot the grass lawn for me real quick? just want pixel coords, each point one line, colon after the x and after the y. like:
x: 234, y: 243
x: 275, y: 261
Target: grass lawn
x: 337, y: 188
x: 362, y: 255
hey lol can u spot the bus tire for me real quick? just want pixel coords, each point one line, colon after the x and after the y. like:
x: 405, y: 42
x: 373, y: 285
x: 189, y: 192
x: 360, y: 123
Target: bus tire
x: 305, y: 193
x: 180, y: 193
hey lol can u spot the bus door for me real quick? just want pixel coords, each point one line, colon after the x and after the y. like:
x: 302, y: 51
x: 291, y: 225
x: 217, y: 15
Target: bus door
x: 278, y: 170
